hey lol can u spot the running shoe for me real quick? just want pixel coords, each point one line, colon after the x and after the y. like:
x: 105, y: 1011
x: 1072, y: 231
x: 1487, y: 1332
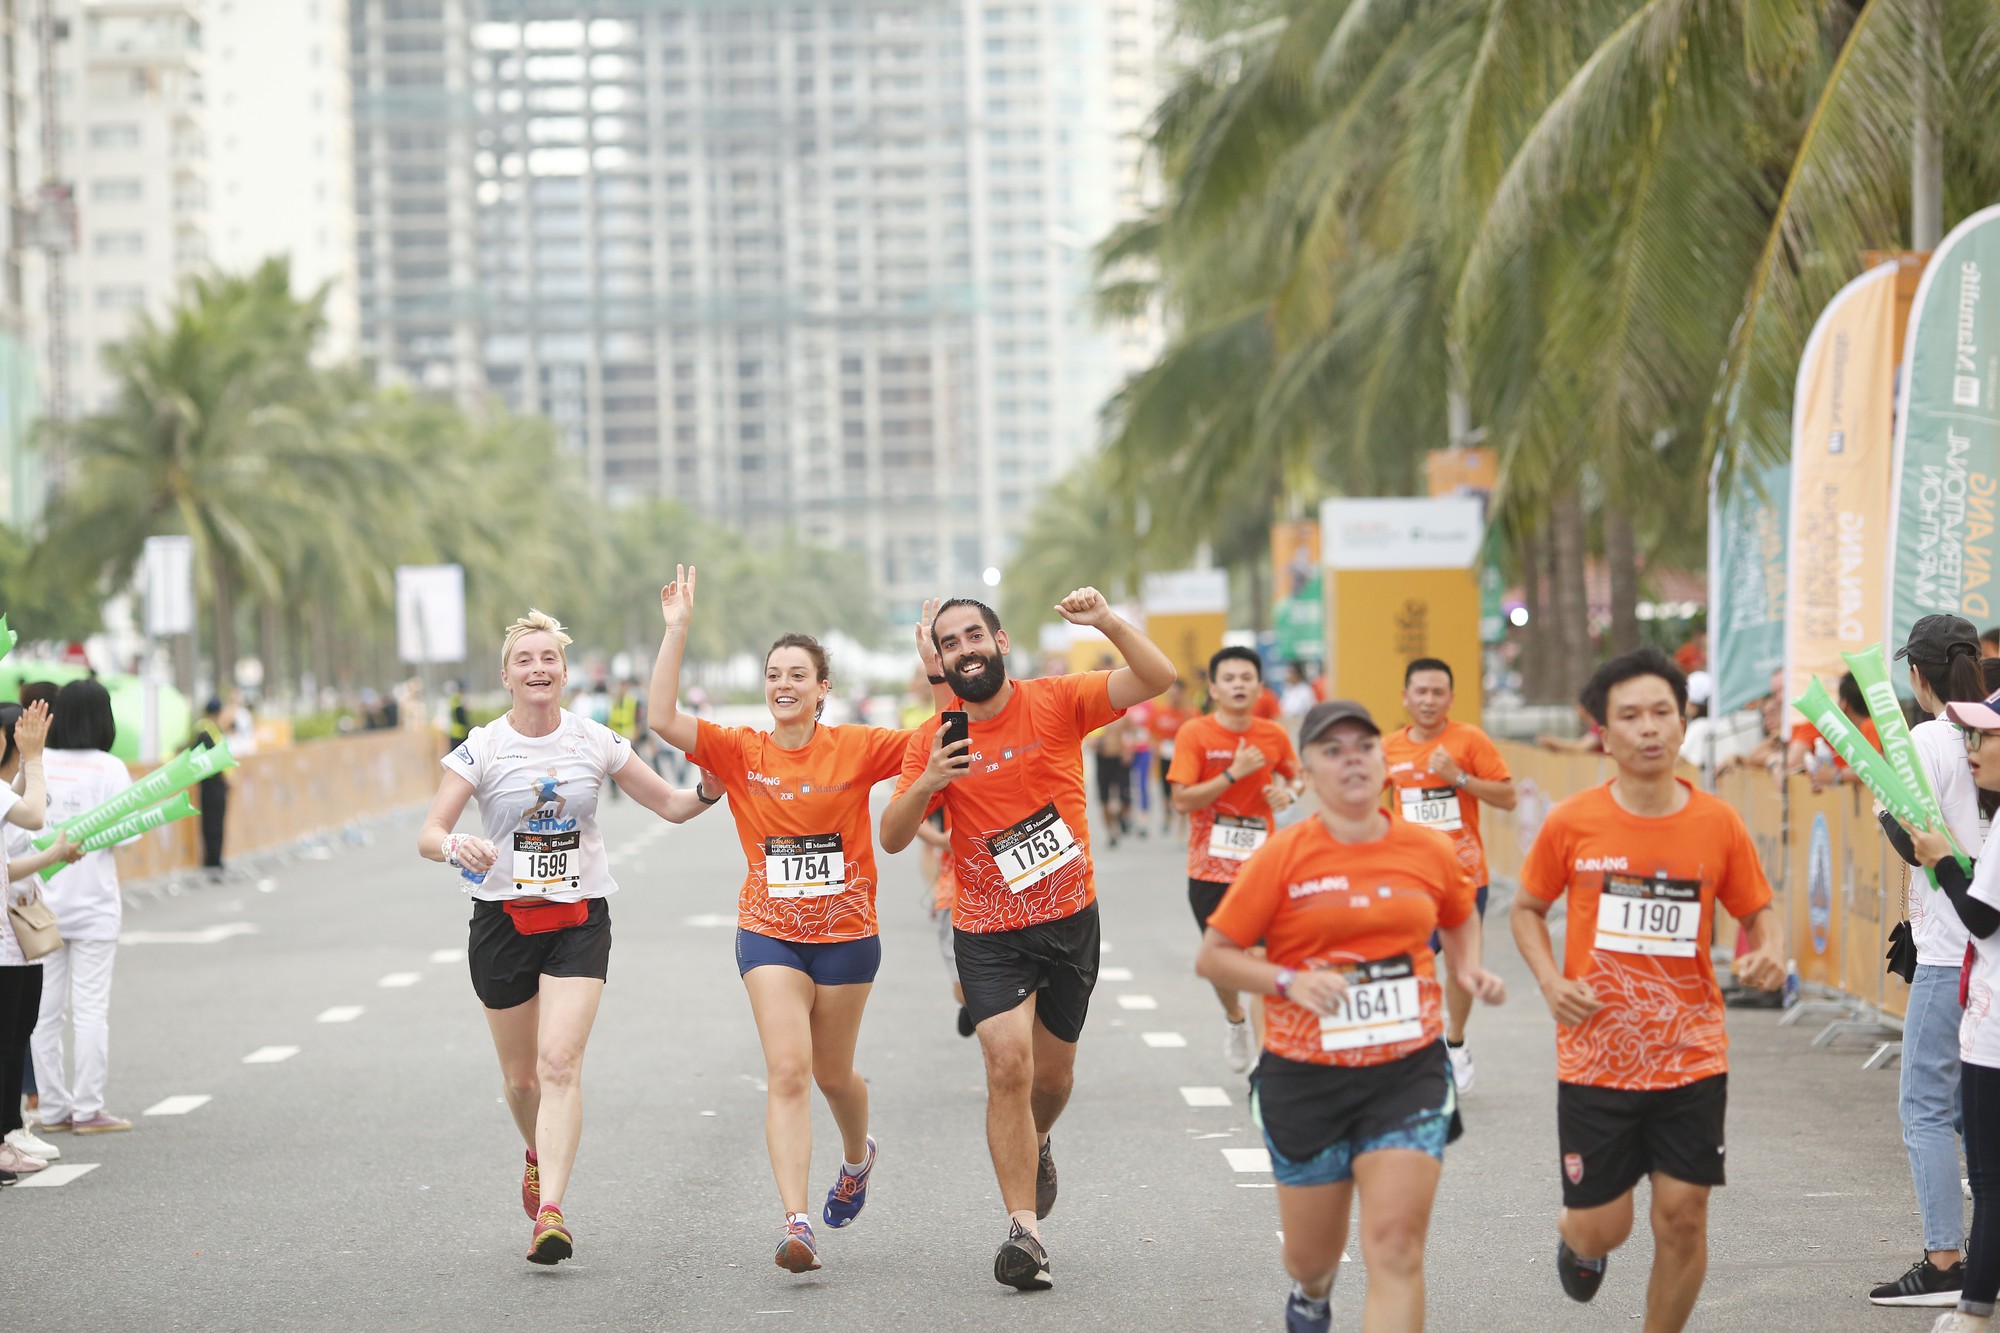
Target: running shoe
x: 1958, y: 1321
x: 101, y: 1123
x: 9, y: 1178
x: 1238, y: 1048
x: 41, y: 1126
x: 1303, y: 1314
x: 13, y: 1160
x: 1580, y: 1277
x: 1461, y: 1066
x: 552, y: 1243
x: 1924, y: 1284
x: 531, y: 1188
x: 850, y: 1192
x: 797, y: 1252
x: 1022, y: 1262
x: 33, y: 1146
x: 1045, y: 1183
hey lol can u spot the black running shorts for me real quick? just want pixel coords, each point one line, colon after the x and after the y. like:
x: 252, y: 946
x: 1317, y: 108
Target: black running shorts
x: 1612, y: 1138
x: 1054, y: 961
x: 1114, y: 780
x: 1204, y: 896
x: 508, y: 967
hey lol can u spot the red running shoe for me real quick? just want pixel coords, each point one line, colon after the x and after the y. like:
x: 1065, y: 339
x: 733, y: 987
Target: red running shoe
x: 531, y: 1189
x: 552, y: 1243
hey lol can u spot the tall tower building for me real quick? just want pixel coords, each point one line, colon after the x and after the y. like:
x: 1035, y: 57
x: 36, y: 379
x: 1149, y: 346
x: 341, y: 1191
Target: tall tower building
x: 817, y: 267
x: 20, y: 372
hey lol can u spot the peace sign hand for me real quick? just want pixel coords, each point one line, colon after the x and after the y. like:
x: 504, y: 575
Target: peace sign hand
x: 677, y: 598
x: 927, y: 652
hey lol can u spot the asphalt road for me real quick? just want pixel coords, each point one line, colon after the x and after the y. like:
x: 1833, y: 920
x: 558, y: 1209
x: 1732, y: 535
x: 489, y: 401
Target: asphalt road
x: 369, y: 1180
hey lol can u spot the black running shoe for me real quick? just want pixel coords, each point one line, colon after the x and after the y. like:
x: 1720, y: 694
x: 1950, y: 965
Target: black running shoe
x: 1580, y: 1277
x: 1045, y: 1183
x: 1924, y: 1284
x: 964, y: 1021
x: 1022, y: 1262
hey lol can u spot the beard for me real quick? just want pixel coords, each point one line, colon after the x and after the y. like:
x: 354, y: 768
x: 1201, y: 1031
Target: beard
x: 978, y: 689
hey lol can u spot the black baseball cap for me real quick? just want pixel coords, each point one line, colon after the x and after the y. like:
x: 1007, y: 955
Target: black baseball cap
x: 1324, y: 716
x: 1933, y: 637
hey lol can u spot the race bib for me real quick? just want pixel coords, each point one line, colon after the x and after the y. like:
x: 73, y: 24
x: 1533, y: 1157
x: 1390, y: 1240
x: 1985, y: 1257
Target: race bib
x: 548, y: 862
x: 1381, y: 1007
x: 1234, y: 837
x: 1660, y: 917
x: 812, y: 866
x: 1032, y: 850
x: 1432, y: 807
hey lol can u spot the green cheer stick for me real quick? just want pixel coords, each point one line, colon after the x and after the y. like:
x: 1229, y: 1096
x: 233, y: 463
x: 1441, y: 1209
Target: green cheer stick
x: 183, y: 770
x: 1873, y: 770
x: 8, y: 638
x: 131, y: 826
x: 1871, y: 672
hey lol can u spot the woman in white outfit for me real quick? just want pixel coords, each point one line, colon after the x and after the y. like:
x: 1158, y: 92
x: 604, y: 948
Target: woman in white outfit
x: 76, y: 978
x: 540, y: 943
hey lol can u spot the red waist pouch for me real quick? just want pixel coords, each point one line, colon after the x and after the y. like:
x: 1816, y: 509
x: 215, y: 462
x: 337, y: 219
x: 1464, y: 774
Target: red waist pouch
x: 534, y: 917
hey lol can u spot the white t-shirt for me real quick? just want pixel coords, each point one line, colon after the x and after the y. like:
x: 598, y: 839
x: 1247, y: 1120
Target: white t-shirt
x: 13, y: 842
x: 85, y: 895
x: 1979, y: 1030
x: 538, y: 803
x: 1940, y: 935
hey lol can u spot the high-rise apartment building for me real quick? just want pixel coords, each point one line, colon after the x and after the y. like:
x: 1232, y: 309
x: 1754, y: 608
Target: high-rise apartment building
x: 817, y: 267
x: 20, y: 381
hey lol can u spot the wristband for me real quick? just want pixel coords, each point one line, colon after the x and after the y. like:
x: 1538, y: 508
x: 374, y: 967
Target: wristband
x: 935, y: 680
x: 1282, y: 983
x: 701, y: 794
x: 450, y: 849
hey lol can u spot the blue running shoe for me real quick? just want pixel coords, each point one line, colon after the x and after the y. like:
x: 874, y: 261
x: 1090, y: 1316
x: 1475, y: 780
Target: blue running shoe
x: 844, y: 1201
x: 796, y: 1252
x: 1303, y: 1314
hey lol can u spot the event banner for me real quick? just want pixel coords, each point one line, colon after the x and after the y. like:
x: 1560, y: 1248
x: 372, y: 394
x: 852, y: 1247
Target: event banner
x: 1843, y: 432
x: 1746, y: 580
x: 1947, y: 459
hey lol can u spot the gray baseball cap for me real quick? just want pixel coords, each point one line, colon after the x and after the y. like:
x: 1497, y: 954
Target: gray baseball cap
x: 1324, y: 716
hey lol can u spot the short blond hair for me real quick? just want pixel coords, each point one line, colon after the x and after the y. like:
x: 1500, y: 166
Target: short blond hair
x: 533, y: 623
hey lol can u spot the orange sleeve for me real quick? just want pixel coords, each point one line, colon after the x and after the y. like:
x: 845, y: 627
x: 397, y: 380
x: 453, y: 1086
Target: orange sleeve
x: 717, y: 748
x: 1245, y: 913
x: 1745, y: 891
x: 1545, y: 874
x: 1288, y: 761
x: 1482, y: 759
x: 886, y: 751
x: 1186, y: 767
x: 1090, y: 700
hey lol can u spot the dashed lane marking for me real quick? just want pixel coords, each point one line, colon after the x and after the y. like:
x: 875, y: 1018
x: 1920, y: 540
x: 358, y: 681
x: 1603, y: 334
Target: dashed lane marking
x: 447, y: 955
x: 180, y: 1105
x: 1205, y: 1096
x: 399, y: 980
x: 270, y: 1055
x: 1137, y: 1002
x: 1164, y: 1041
x: 709, y: 920
x: 340, y: 1013
x: 1114, y: 974
x: 59, y: 1174
x: 1248, y: 1160
x: 206, y: 935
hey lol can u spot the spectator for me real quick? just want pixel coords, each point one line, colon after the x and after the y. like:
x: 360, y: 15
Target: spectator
x: 1298, y: 698
x: 214, y: 791
x: 1989, y: 643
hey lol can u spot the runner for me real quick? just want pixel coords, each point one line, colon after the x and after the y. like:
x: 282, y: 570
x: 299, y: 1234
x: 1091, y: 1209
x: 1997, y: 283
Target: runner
x: 1353, y: 1090
x: 1168, y: 716
x: 1025, y: 926
x: 1641, y: 1051
x: 1443, y: 770
x: 1114, y: 776
x: 1232, y: 772
x: 807, y: 940
x: 940, y: 897
x: 1976, y: 904
x: 540, y: 941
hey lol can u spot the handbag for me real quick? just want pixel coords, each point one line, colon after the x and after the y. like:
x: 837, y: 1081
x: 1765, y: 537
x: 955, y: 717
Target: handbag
x: 534, y: 917
x: 1902, y: 955
x: 34, y: 923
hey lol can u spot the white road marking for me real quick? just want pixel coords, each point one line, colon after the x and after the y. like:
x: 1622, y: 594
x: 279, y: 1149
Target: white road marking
x: 267, y: 885
x: 1205, y: 1096
x: 206, y: 935
x: 1248, y: 1159
x: 710, y: 920
x: 59, y: 1174
x: 270, y: 1055
x: 1103, y: 947
x: 398, y: 980
x: 180, y: 1105
x: 447, y: 955
x: 1164, y: 1040
x: 1137, y: 1002
x: 340, y: 1013
x: 1114, y: 974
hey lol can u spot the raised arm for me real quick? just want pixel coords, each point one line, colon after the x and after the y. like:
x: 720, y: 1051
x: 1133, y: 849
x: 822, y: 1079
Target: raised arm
x: 1147, y: 671
x: 676, y: 805
x: 927, y: 653
x: 31, y: 733
x: 663, y: 695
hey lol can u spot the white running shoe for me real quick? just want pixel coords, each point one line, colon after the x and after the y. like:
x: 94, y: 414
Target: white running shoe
x: 34, y: 1147
x: 1239, y: 1047
x: 1461, y: 1067
x: 1958, y: 1321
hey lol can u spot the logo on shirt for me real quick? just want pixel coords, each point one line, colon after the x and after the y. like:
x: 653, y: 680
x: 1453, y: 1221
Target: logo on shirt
x: 1602, y: 863
x: 1324, y: 884
x: 755, y: 776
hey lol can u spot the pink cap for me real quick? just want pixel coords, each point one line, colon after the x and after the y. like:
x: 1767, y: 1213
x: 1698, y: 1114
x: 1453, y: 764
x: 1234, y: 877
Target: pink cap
x: 1980, y: 716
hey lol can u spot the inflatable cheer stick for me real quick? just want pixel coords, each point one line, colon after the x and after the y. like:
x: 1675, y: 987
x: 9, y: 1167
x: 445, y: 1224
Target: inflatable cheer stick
x: 1848, y: 742
x: 131, y: 826
x: 183, y: 770
x: 8, y: 638
x: 1871, y: 673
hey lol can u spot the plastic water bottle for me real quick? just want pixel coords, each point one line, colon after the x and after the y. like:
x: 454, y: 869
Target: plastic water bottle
x: 472, y: 879
x: 1791, y: 982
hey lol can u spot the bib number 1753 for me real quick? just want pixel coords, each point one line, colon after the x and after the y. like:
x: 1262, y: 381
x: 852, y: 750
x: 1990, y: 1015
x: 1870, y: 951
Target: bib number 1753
x: 1034, y: 849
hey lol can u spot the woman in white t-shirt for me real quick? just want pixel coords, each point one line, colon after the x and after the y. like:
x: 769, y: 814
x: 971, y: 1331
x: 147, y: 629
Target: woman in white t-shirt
x: 24, y: 732
x: 1976, y: 905
x: 76, y: 978
x: 540, y: 941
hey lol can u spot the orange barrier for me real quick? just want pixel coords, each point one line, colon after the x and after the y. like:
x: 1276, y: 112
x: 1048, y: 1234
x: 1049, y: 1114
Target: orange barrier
x: 1840, y: 889
x: 285, y: 795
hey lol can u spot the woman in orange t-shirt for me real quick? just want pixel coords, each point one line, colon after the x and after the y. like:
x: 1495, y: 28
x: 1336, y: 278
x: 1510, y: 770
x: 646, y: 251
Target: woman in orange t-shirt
x: 1353, y: 1090
x: 807, y: 939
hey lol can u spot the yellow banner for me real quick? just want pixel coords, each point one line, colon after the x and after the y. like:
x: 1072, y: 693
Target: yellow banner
x: 1843, y: 435
x: 1380, y: 620
x: 1190, y: 638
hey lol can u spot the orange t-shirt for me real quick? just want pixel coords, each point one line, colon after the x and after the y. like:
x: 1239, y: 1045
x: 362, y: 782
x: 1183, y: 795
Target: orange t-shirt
x: 1203, y: 750
x: 1424, y: 798
x: 809, y: 808
x: 1647, y: 955
x: 1316, y: 903
x: 1268, y: 706
x: 1165, y: 724
x: 1020, y: 838
x: 1808, y: 735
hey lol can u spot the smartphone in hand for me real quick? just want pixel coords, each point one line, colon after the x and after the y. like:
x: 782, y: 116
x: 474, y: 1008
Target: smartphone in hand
x: 957, y: 727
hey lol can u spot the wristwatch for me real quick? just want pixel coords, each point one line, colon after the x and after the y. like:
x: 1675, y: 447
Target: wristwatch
x: 1283, y: 981
x: 935, y: 680
x: 701, y: 795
